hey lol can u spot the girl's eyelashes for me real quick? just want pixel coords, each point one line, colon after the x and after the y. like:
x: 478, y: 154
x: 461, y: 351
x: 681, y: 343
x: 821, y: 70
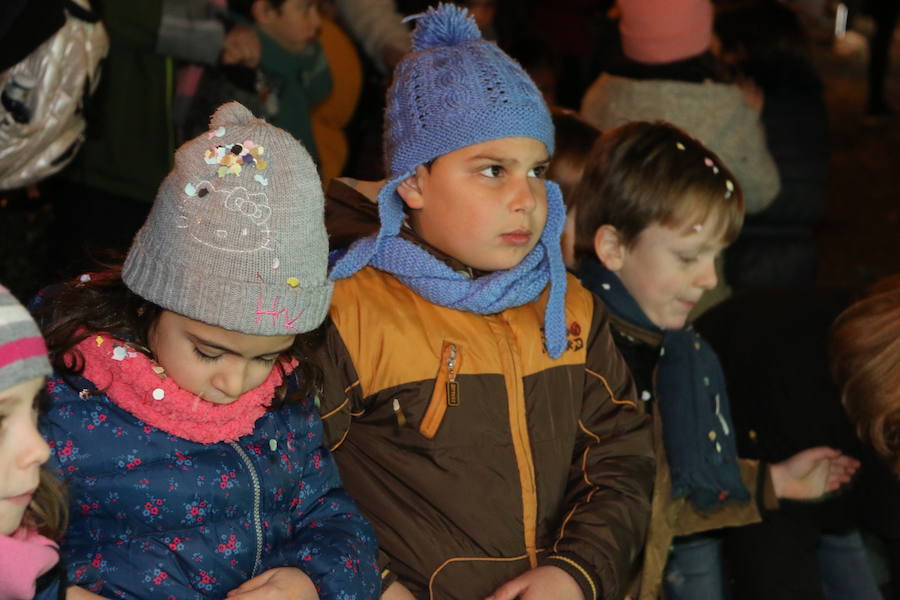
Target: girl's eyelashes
x: 210, y: 358
x: 688, y: 260
x: 203, y: 356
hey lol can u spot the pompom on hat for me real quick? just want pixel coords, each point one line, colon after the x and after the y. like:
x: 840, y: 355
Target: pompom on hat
x: 236, y: 237
x: 662, y: 31
x: 23, y: 354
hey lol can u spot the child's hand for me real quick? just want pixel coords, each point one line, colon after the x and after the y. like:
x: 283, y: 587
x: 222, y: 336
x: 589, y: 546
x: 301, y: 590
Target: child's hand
x: 539, y: 584
x: 283, y: 583
x: 241, y: 47
x: 812, y: 473
x: 397, y: 591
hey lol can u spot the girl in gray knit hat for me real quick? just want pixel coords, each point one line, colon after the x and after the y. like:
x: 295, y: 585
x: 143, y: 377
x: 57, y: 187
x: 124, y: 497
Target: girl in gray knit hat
x: 183, y: 404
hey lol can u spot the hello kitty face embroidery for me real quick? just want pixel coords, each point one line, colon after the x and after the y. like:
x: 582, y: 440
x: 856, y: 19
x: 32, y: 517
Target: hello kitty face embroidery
x: 233, y: 219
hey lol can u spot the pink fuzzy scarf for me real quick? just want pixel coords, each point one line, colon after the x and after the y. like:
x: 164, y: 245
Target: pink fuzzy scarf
x: 137, y: 384
x: 25, y: 555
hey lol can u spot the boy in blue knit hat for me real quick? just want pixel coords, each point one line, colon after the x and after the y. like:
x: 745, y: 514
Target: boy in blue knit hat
x: 477, y: 406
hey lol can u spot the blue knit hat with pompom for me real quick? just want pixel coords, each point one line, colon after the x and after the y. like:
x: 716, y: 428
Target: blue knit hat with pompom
x: 454, y: 90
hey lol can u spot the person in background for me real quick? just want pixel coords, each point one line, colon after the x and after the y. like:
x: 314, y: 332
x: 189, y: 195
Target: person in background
x: 291, y: 76
x: 130, y: 135
x: 574, y: 139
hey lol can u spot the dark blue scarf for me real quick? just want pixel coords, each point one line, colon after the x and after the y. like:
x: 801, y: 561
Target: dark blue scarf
x: 691, y: 400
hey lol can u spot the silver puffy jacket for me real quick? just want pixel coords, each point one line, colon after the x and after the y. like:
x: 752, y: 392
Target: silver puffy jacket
x: 41, y: 121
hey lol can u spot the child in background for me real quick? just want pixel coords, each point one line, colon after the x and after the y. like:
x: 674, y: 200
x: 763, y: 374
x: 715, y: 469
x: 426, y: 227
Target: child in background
x: 475, y: 400
x: 291, y: 76
x: 865, y: 352
x: 192, y: 468
x: 655, y: 208
x: 31, y: 502
x: 574, y: 138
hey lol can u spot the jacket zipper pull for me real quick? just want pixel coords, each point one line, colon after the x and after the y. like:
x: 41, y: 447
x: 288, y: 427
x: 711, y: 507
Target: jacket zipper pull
x: 452, y: 385
x: 398, y: 412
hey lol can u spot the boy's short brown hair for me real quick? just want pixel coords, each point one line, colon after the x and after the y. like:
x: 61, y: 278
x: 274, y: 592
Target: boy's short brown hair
x: 574, y: 139
x: 865, y: 363
x: 645, y: 173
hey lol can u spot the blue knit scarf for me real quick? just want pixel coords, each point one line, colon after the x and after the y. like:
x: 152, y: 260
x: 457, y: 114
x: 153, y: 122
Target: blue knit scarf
x: 434, y: 280
x: 692, y: 401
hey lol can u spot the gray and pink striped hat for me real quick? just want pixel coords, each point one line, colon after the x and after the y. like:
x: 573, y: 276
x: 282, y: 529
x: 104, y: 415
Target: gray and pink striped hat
x: 23, y: 354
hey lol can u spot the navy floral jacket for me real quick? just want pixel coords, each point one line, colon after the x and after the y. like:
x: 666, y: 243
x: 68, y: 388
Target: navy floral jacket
x: 156, y: 516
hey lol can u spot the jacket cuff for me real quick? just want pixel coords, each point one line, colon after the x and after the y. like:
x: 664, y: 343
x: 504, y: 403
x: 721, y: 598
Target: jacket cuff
x: 766, y: 499
x: 387, y: 575
x: 580, y: 571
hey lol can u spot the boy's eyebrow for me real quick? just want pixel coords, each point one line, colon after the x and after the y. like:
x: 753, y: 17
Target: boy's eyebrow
x: 506, y: 161
x: 216, y: 346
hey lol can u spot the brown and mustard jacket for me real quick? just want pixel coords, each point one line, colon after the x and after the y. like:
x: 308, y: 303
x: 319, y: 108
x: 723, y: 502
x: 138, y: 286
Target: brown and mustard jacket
x: 474, y: 454
x: 678, y: 517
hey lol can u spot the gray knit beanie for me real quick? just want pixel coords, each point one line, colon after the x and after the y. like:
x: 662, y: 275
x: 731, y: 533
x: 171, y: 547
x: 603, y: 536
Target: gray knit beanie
x: 23, y: 355
x: 236, y: 237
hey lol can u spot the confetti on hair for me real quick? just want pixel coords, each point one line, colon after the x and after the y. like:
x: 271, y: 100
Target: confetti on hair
x: 680, y: 146
x: 698, y: 227
x: 709, y: 162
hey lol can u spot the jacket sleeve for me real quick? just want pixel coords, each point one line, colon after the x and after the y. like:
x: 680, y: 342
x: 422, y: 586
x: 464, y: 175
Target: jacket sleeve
x: 341, y: 396
x: 377, y: 26
x: 758, y: 480
x: 184, y: 30
x: 334, y: 544
x: 611, y: 477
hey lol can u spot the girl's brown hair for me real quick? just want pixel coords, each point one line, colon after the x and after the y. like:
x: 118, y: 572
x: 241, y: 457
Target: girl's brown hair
x: 643, y: 173
x: 47, y: 513
x: 103, y: 303
x: 865, y: 363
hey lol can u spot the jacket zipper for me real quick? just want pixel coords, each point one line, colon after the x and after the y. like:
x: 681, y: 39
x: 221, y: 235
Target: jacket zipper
x: 518, y: 429
x: 446, y: 390
x: 257, y: 521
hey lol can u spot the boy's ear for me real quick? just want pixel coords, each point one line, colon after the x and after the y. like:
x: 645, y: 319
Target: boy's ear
x: 609, y: 247
x: 410, y: 189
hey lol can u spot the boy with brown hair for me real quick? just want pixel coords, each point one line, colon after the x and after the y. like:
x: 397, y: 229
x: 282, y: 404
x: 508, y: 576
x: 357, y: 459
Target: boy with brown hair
x: 477, y: 407
x: 654, y: 209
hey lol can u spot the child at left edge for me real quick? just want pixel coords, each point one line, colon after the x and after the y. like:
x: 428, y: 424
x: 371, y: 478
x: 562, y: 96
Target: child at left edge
x: 32, y: 505
x: 182, y: 410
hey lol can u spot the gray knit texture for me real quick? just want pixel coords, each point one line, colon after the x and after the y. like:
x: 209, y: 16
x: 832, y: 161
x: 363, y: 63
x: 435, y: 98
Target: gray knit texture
x: 238, y: 242
x: 23, y: 355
